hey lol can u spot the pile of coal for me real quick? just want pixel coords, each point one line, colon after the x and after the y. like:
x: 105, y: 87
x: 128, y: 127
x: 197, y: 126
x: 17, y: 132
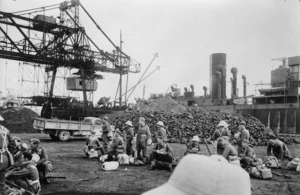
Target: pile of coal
x: 182, y: 126
x: 19, y: 120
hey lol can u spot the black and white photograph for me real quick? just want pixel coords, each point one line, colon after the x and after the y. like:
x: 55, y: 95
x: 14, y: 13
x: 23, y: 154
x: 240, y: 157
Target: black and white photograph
x: 149, y: 97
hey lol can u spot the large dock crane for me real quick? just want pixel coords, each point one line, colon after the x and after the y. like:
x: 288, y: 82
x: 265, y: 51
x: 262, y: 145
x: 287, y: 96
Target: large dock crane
x: 63, y: 43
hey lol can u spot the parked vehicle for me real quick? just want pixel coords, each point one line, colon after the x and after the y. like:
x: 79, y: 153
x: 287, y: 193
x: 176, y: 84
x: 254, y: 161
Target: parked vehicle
x: 62, y: 130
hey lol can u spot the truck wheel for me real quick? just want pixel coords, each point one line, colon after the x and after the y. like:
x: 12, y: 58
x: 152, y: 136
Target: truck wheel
x: 53, y: 137
x: 64, y: 136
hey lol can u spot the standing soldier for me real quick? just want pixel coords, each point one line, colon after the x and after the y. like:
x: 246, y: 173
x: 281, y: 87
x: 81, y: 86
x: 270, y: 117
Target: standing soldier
x: 222, y: 130
x: 162, y: 133
x: 243, y: 135
x: 129, y: 133
x: 4, y: 156
x: 105, y: 134
x: 142, y: 136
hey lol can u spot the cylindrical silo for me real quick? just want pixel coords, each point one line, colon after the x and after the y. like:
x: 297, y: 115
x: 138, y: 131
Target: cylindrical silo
x: 217, y: 63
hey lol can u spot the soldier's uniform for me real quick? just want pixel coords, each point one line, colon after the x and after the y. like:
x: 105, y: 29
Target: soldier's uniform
x: 141, y: 143
x: 129, y: 137
x: 278, y: 149
x: 105, y: 130
x: 43, y: 163
x: 5, y: 160
x: 193, y: 148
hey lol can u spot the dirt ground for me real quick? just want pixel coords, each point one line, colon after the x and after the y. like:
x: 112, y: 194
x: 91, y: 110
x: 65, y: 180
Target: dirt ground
x: 85, y: 176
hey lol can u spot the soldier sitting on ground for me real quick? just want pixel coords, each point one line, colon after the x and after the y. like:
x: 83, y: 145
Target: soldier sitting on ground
x: 42, y: 163
x: 278, y: 149
x: 228, y: 150
x: 248, y: 156
x: 117, y: 147
x: 27, y: 176
x: 93, y: 144
x: 161, y: 156
x: 193, y: 147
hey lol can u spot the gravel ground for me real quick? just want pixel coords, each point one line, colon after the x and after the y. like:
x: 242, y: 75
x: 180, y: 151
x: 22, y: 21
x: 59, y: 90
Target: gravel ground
x: 84, y: 176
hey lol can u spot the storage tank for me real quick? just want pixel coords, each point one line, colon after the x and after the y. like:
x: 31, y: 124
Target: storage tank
x: 217, y: 63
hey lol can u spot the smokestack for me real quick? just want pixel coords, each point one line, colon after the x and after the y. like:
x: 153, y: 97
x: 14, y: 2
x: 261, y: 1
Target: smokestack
x: 217, y: 63
x: 205, y: 90
x: 223, y: 82
x: 192, y: 88
x: 219, y: 86
x: 245, y: 85
x: 185, y: 89
x: 234, y: 71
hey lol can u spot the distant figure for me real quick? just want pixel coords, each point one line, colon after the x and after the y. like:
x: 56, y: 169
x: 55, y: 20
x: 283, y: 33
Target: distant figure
x: 222, y: 130
x: 142, y: 136
x: 198, y: 174
x: 193, y: 147
x: 129, y: 134
x: 106, y: 131
x: 161, y: 133
x: 117, y: 146
x: 93, y: 142
x: 278, y: 149
x: 243, y: 135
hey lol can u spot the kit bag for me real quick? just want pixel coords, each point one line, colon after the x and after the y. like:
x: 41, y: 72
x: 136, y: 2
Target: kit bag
x: 271, y: 161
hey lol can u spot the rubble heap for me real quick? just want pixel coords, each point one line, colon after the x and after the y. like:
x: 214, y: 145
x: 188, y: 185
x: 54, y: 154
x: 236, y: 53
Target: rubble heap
x: 182, y: 126
x: 19, y: 120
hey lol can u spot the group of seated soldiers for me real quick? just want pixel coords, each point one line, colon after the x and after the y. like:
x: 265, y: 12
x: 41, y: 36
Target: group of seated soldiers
x: 31, y: 166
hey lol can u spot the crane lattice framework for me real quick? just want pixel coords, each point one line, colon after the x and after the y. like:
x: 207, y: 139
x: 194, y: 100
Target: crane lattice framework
x: 55, y: 44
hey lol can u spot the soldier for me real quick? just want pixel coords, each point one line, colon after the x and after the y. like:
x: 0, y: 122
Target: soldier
x: 193, y: 147
x: 106, y: 130
x: 117, y: 146
x: 248, y: 156
x: 162, y: 155
x: 243, y: 135
x: 129, y: 134
x: 162, y: 133
x: 228, y: 149
x: 142, y: 136
x: 93, y: 142
x: 43, y: 162
x: 27, y: 177
x: 278, y: 149
x: 5, y: 159
x: 222, y: 130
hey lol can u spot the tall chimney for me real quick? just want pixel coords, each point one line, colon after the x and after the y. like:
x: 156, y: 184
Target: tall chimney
x: 223, y: 82
x: 234, y: 71
x: 192, y: 88
x: 205, y: 91
x: 219, y: 86
x: 245, y: 85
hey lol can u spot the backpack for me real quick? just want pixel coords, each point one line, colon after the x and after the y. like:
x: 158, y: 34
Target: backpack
x: 272, y: 162
x: 261, y: 172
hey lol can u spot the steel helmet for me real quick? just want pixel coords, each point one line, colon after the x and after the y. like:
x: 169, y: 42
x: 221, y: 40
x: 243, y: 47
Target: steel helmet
x: 160, y: 123
x: 129, y: 123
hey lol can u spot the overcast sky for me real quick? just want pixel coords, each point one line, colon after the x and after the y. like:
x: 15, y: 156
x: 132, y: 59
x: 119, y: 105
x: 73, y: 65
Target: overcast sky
x: 185, y: 33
